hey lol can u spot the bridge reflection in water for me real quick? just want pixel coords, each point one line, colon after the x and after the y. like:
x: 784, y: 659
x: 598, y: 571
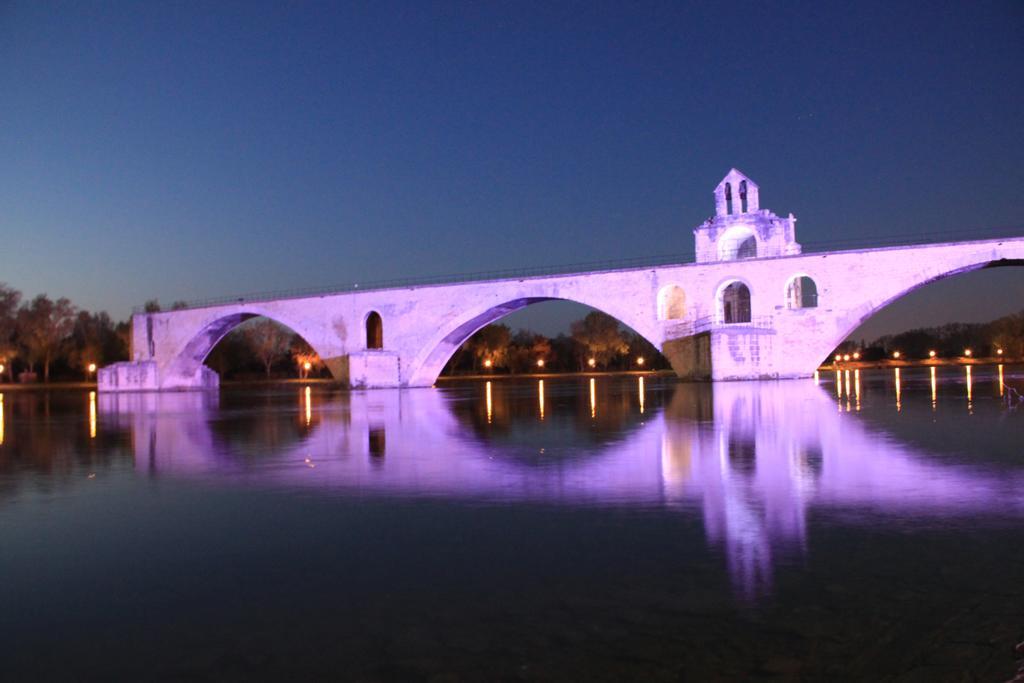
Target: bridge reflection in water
x: 752, y: 459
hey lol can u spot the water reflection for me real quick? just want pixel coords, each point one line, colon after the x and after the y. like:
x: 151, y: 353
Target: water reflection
x: 92, y: 414
x: 752, y: 458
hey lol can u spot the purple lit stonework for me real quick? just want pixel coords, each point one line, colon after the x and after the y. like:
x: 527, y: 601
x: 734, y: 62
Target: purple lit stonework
x: 751, y: 307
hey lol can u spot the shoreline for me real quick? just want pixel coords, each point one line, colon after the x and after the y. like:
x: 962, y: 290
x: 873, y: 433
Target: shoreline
x: 889, y: 363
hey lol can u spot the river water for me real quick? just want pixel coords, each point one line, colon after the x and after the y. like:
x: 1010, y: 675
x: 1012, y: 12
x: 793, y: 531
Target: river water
x: 606, y: 528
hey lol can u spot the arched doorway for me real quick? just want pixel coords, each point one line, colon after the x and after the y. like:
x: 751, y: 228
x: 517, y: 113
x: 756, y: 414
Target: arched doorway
x: 735, y: 303
x: 374, y: 331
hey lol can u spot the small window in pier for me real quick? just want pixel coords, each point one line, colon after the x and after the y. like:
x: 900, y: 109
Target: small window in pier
x: 736, y: 304
x: 801, y: 292
x: 374, y: 331
x: 743, y: 196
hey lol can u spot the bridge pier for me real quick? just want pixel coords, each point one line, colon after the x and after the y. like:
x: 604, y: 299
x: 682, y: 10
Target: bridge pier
x: 146, y: 376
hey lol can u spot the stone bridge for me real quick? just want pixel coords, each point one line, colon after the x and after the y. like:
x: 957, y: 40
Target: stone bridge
x: 752, y: 306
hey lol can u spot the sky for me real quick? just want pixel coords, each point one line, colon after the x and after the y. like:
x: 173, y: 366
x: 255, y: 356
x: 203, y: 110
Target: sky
x: 189, y: 150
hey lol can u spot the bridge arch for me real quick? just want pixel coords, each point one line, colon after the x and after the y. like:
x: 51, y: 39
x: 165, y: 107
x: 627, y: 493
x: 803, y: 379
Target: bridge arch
x: 969, y: 264
x: 186, y: 360
x: 428, y: 364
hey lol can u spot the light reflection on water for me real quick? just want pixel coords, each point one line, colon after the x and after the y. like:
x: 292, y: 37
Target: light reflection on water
x: 752, y: 457
x: 756, y: 467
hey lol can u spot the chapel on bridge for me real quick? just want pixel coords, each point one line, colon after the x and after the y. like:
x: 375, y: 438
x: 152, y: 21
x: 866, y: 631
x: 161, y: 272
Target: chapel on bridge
x: 740, y: 228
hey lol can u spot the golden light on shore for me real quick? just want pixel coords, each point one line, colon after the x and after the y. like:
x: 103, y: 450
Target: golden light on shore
x: 91, y: 368
x: 999, y: 352
x: 591, y: 362
x: 896, y: 355
x: 846, y: 356
x: 540, y: 362
x: 931, y: 354
x: 967, y: 353
x: 488, y: 363
x: 856, y: 355
x: 838, y: 357
x: 640, y: 360
x: 1, y: 368
x: 307, y: 366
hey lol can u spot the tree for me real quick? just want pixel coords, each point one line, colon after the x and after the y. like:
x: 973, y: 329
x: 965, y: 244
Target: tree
x: 491, y: 343
x: 526, y: 349
x: 95, y: 339
x: 268, y: 340
x: 302, y: 353
x: 9, y: 300
x: 152, y: 306
x: 43, y: 326
x: 601, y: 336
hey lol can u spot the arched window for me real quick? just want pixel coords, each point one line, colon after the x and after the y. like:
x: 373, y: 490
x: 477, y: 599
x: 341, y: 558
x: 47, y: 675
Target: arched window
x: 671, y: 303
x: 737, y: 243
x: 747, y: 248
x: 735, y: 304
x: 728, y: 198
x: 743, y: 196
x: 801, y: 292
x: 374, y: 331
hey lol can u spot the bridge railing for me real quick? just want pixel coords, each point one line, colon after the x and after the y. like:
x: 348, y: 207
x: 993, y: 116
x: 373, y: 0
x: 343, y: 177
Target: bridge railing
x: 688, y: 328
x: 809, y: 247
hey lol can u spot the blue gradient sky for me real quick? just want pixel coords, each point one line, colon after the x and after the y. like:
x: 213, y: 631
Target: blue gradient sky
x: 189, y: 150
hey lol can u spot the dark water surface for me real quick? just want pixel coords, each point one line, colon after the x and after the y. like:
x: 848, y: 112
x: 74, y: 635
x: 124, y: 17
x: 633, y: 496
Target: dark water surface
x: 591, y: 530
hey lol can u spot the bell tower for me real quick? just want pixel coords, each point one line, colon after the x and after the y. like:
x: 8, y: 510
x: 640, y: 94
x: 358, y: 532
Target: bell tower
x: 740, y: 228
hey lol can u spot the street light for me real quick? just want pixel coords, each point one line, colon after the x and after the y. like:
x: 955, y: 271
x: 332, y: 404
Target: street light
x: 591, y: 362
x: 931, y: 354
x: 999, y: 352
x: 839, y: 357
x: 967, y: 352
x: 488, y: 363
x: 540, y: 362
x: 640, y: 360
x: 92, y: 368
x: 896, y: 355
x: 846, y: 356
x: 856, y: 355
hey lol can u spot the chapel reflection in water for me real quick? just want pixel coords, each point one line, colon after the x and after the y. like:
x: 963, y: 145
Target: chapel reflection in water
x: 753, y: 458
